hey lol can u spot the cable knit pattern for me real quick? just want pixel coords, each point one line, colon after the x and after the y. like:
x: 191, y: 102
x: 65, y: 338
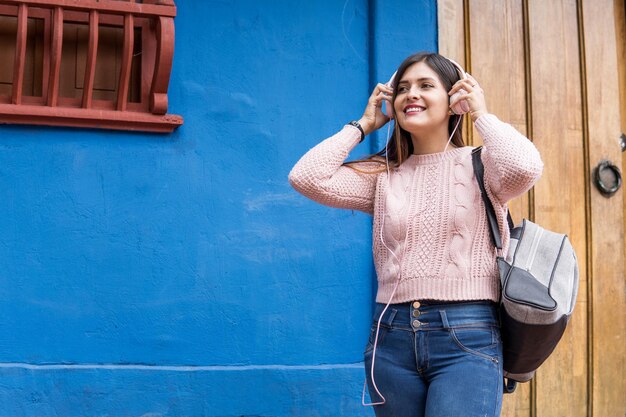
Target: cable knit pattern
x: 429, y: 212
x: 464, y: 217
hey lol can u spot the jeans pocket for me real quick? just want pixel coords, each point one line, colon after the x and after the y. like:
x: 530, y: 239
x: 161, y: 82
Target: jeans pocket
x: 381, y: 336
x: 386, y: 324
x: 478, y: 341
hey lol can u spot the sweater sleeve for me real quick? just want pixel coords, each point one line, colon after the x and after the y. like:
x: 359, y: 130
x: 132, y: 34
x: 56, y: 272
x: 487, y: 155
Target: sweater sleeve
x: 320, y: 175
x: 512, y: 162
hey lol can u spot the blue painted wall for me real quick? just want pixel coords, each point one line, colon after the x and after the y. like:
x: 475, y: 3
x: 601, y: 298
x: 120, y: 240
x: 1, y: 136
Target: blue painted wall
x: 180, y: 275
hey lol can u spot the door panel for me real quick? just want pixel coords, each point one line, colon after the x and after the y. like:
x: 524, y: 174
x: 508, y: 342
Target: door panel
x: 561, y: 383
x: 493, y: 50
x: 606, y: 220
x: 620, y: 36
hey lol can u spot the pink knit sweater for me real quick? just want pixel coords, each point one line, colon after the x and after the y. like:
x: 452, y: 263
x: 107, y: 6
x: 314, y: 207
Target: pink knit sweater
x: 434, y: 218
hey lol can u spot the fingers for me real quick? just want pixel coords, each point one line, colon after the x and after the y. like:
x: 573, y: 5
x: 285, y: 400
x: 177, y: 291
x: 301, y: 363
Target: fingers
x: 382, y: 89
x: 383, y: 96
x: 472, y: 79
x: 472, y: 94
x: 380, y: 94
x: 466, y: 85
x: 375, y: 103
x: 469, y: 84
x: 373, y: 115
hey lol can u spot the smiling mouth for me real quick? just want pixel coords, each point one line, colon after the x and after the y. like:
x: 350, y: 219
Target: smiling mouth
x: 414, y: 110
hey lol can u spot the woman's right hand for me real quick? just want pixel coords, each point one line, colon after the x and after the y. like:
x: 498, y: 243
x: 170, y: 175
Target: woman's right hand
x: 373, y: 117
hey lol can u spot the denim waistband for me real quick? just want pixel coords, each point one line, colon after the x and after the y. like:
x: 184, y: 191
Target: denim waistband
x: 425, y: 315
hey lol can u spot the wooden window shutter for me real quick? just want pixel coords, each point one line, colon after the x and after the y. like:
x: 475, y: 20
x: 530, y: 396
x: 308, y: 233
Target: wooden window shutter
x: 93, y: 63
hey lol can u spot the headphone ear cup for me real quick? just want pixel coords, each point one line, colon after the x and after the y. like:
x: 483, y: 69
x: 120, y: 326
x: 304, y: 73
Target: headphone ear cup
x: 461, y: 107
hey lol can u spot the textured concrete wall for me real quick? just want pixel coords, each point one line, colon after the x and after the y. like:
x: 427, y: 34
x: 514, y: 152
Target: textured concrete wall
x: 180, y: 275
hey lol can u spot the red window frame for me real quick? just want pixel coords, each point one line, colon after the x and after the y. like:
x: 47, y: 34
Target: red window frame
x: 155, y: 19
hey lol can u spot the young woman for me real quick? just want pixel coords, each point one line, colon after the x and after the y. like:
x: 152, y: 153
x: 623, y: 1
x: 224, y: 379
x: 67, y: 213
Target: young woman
x: 434, y: 348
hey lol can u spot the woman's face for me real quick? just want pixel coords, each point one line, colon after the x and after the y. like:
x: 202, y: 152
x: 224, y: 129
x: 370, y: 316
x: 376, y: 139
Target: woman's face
x: 422, y: 102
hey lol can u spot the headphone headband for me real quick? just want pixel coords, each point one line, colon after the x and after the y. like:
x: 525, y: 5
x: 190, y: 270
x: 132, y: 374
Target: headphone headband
x: 456, y: 65
x: 459, y: 68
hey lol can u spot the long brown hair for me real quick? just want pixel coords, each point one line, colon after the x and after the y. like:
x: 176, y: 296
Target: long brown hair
x: 400, y: 146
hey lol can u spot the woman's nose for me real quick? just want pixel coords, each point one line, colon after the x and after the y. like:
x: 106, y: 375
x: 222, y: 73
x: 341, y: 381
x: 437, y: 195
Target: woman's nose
x: 414, y: 92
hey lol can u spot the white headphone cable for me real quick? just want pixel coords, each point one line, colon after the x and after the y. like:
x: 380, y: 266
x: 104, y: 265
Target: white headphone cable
x: 395, y: 288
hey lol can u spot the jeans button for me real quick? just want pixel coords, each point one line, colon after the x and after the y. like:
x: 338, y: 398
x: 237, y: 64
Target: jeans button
x: 416, y: 313
x: 416, y: 304
x: 416, y: 323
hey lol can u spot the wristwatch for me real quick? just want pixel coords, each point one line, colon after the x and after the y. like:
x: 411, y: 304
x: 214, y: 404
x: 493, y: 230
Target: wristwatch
x: 358, y: 126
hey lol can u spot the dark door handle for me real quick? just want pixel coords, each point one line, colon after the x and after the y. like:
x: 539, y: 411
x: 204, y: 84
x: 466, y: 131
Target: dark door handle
x: 607, y: 178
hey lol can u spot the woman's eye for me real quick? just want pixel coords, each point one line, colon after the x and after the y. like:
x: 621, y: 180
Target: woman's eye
x: 402, y: 89
x: 427, y: 85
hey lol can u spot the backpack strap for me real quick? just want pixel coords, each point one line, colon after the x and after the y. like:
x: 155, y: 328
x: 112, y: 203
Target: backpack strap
x: 508, y: 385
x: 479, y: 171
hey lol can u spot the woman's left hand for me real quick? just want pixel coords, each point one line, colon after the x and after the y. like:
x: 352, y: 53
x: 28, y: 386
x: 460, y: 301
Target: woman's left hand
x: 475, y: 97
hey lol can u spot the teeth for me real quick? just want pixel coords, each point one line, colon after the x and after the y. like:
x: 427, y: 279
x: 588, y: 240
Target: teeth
x: 414, y: 110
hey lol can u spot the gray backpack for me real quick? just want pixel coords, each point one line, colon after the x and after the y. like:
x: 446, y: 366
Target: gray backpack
x: 539, y: 277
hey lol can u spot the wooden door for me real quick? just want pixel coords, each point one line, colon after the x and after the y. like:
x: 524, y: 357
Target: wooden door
x: 550, y: 68
x: 620, y: 25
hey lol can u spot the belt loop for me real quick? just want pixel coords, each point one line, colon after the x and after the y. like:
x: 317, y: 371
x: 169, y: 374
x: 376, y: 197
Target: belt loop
x: 390, y: 317
x: 387, y: 320
x: 444, y: 319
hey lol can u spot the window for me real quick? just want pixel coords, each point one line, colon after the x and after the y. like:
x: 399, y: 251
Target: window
x: 93, y: 63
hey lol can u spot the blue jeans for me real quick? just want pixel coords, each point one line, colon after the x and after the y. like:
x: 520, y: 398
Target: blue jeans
x: 437, y: 360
